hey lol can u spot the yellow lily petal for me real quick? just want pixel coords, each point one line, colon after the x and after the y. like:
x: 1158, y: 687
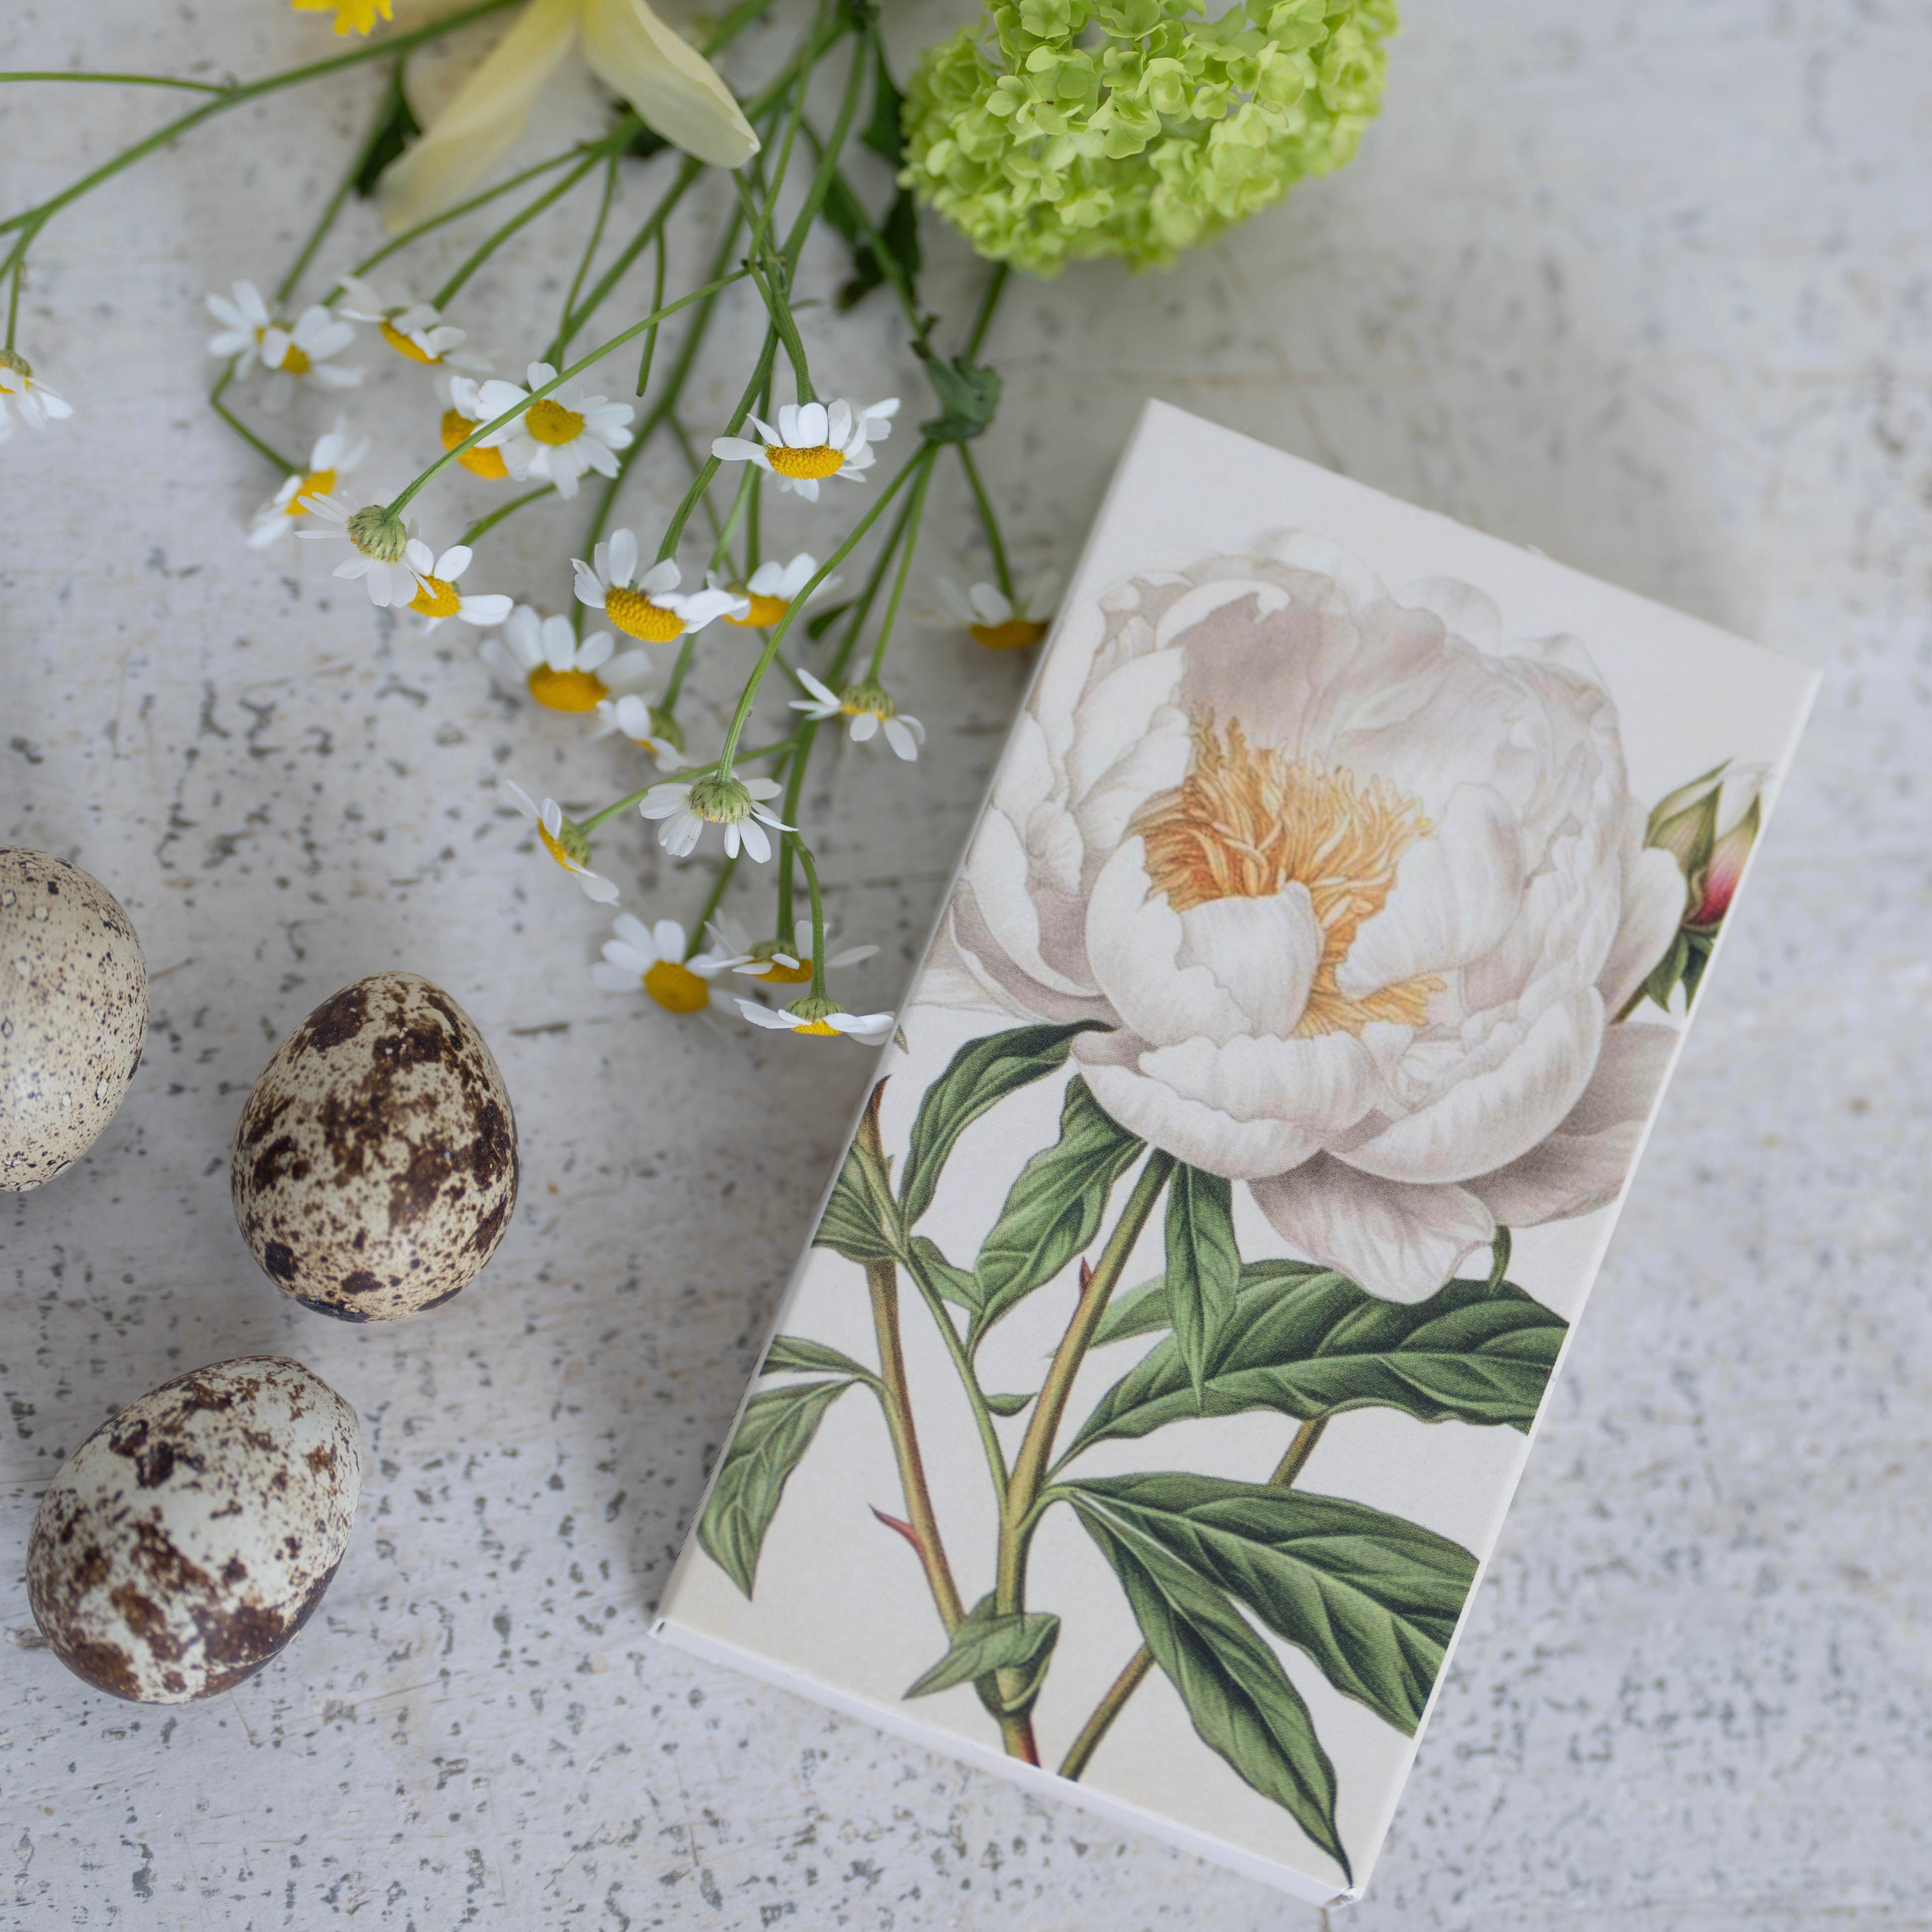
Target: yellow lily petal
x: 483, y: 120
x: 669, y: 83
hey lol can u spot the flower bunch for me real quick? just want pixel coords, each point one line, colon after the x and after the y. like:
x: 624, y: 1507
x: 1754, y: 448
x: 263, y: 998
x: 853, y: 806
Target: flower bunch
x: 1075, y: 128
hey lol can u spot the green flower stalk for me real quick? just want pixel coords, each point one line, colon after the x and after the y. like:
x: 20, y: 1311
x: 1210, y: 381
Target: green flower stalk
x: 1059, y: 129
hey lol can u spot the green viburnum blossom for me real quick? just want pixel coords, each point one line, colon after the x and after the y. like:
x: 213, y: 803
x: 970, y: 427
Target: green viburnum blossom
x: 1061, y: 129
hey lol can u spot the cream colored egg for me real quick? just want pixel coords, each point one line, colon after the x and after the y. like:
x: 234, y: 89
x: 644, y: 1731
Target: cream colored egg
x: 184, y: 1542
x: 73, y: 1013
x: 374, y: 1169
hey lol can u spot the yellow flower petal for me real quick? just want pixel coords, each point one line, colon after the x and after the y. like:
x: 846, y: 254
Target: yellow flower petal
x: 485, y: 118
x: 670, y: 84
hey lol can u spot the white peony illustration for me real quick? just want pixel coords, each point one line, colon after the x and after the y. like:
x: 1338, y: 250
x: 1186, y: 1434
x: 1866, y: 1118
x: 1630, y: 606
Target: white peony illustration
x: 1360, y: 892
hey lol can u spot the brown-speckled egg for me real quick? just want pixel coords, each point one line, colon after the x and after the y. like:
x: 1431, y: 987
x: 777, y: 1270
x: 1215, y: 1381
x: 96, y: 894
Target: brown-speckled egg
x: 73, y: 1013
x: 184, y: 1543
x: 375, y: 1166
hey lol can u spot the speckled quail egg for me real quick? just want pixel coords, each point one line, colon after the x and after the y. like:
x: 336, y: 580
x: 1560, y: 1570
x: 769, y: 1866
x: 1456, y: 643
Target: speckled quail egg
x: 184, y: 1542
x: 73, y: 1013
x: 374, y: 1169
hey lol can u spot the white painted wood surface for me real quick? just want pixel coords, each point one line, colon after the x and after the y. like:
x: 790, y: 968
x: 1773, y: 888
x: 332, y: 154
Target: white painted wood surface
x: 1645, y: 286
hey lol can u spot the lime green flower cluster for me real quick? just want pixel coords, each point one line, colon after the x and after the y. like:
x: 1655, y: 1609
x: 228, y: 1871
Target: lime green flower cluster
x: 1061, y: 129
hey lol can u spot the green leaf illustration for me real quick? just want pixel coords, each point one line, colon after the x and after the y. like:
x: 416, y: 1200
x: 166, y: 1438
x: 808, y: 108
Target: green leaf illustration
x: 986, y: 1642
x: 983, y: 1073
x: 1240, y: 1698
x: 1143, y: 1310
x: 774, y: 1431
x: 861, y: 1219
x: 1371, y: 1598
x: 951, y: 1284
x: 1204, y: 1267
x: 1007, y: 1404
x: 790, y: 1353
x: 1054, y: 1209
x: 1315, y: 1344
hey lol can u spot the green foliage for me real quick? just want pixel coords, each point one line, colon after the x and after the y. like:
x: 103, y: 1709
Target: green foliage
x: 896, y: 254
x: 969, y: 397
x: 1313, y: 1344
x: 1240, y: 1698
x: 1143, y: 1310
x: 861, y: 1219
x: 397, y: 128
x: 1204, y: 1267
x: 1053, y: 1211
x: 1372, y: 1599
x: 776, y: 1429
x: 956, y: 1285
x: 790, y: 1354
x: 1061, y: 129
x: 986, y: 1642
x: 981, y: 1074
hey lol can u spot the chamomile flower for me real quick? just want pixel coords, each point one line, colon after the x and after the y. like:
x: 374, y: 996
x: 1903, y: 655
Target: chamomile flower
x: 333, y: 456
x: 436, y: 595
x: 352, y: 16
x: 993, y: 619
x: 463, y: 416
x: 771, y: 591
x: 649, y: 607
x: 686, y: 808
x: 415, y: 329
x: 777, y: 963
x: 823, y: 1018
x: 565, y: 840
x: 382, y: 544
x: 302, y: 348
x: 560, y: 671
x: 35, y: 402
x: 560, y: 436
x: 871, y: 709
x: 812, y: 442
x: 631, y: 714
x: 653, y: 957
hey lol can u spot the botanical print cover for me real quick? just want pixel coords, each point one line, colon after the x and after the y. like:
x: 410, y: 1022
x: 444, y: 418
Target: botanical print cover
x: 1169, y: 1348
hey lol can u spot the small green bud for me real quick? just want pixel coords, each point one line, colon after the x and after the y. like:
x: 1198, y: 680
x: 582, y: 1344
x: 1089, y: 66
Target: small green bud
x: 19, y: 365
x: 721, y: 799
x: 376, y: 533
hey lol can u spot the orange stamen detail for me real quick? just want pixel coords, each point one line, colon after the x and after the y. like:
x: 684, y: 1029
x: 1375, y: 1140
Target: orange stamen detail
x: 637, y: 617
x: 779, y: 974
x: 821, y: 460
x: 824, y: 1029
x: 1247, y: 821
x: 567, y: 690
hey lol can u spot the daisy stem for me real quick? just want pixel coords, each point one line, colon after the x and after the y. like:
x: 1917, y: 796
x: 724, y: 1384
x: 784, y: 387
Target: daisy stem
x: 995, y: 288
x: 748, y: 697
x: 990, y: 523
x: 691, y: 773
x: 657, y: 299
x: 863, y: 56
x: 761, y: 375
x: 127, y: 80
x: 712, y: 900
x: 915, y: 510
x: 740, y: 504
x: 14, y: 293
x: 484, y: 524
x: 245, y: 91
x: 449, y: 214
x: 385, y: 115
x: 576, y: 369
x: 804, y: 852
x: 247, y: 435
x: 561, y: 340
x: 530, y: 210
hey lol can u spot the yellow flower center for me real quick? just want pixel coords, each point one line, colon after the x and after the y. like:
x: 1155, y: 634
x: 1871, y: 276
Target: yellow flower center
x: 295, y: 362
x: 567, y: 690
x: 824, y: 1029
x: 779, y: 974
x: 352, y: 16
x: 552, y: 423
x: 316, y: 483
x: 554, y: 847
x: 479, y: 461
x: 1016, y: 634
x: 764, y: 613
x: 436, y: 598
x: 676, y: 989
x: 1246, y: 822
x: 636, y: 615
x: 403, y: 345
x: 820, y: 459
